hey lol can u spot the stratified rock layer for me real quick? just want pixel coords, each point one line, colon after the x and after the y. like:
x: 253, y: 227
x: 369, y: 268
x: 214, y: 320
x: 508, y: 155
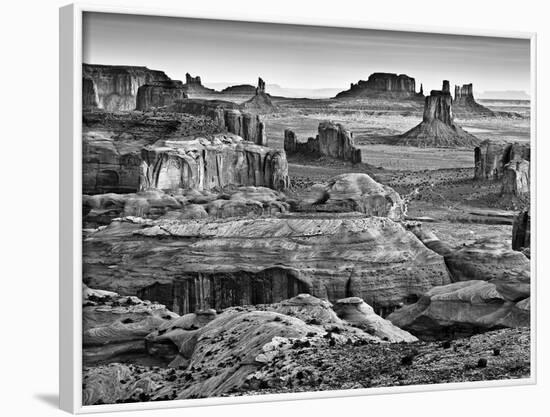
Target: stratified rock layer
x: 159, y: 94
x: 438, y: 128
x: 516, y: 178
x: 115, y: 87
x: 333, y: 140
x: 216, y: 264
x: 208, y: 163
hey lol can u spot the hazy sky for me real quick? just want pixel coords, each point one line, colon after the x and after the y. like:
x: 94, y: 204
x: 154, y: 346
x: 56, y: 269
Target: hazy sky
x: 301, y: 56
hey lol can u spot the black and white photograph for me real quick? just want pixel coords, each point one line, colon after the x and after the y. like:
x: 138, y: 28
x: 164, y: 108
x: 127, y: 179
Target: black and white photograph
x: 271, y: 208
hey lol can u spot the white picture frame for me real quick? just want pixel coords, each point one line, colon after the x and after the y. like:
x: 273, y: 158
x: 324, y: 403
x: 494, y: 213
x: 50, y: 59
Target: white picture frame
x: 70, y: 280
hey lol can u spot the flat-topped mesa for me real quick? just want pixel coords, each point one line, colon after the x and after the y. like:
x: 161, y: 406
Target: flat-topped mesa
x: 333, y: 140
x: 382, y: 84
x: 465, y: 105
x: 115, y: 87
x: 189, y: 80
x: 159, y: 94
x: 491, y: 158
x: 206, y: 164
x: 227, y: 115
x: 438, y: 128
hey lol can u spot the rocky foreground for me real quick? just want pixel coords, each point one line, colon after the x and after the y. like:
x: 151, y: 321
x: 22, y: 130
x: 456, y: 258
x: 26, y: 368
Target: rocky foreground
x: 301, y: 344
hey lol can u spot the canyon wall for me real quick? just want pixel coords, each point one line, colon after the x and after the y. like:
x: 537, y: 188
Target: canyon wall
x: 159, y: 94
x: 115, y: 87
x: 205, y: 164
x: 380, y: 84
x: 333, y: 140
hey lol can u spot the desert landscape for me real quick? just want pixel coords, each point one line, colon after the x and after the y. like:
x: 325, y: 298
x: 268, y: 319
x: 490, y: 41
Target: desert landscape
x: 241, y: 243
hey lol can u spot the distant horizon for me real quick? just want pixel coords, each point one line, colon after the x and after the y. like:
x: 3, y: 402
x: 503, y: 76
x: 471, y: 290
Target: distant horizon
x: 302, y: 57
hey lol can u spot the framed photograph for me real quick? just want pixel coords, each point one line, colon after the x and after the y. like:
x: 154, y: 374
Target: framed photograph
x: 273, y: 210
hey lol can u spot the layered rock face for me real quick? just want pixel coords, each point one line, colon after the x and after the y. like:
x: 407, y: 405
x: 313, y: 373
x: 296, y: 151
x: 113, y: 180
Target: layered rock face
x: 228, y: 116
x: 209, y: 163
x: 112, y: 143
x: 216, y: 263
x: 333, y: 140
x: 438, y: 128
x: 115, y: 87
x: 380, y: 84
x: 159, y: 94
x: 465, y: 105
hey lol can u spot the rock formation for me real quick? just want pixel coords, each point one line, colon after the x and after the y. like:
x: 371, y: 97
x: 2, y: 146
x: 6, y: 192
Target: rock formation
x: 333, y: 140
x: 189, y: 204
x: 261, y: 102
x: 515, y: 178
x: 114, y: 327
x: 193, y: 86
x: 484, y: 259
x: 217, y: 263
x: 112, y: 143
x: 209, y: 163
x: 464, y: 104
x: 90, y: 97
x: 355, y: 311
x: 521, y: 232
x: 462, y: 309
x: 437, y: 128
x: 381, y: 84
x: 228, y: 116
x: 115, y: 87
x: 241, y: 89
x: 159, y: 94
x: 359, y: 192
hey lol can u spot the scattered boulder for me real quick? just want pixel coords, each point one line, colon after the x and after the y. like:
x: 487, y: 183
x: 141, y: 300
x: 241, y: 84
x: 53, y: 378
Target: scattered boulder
x: 438, y: 128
